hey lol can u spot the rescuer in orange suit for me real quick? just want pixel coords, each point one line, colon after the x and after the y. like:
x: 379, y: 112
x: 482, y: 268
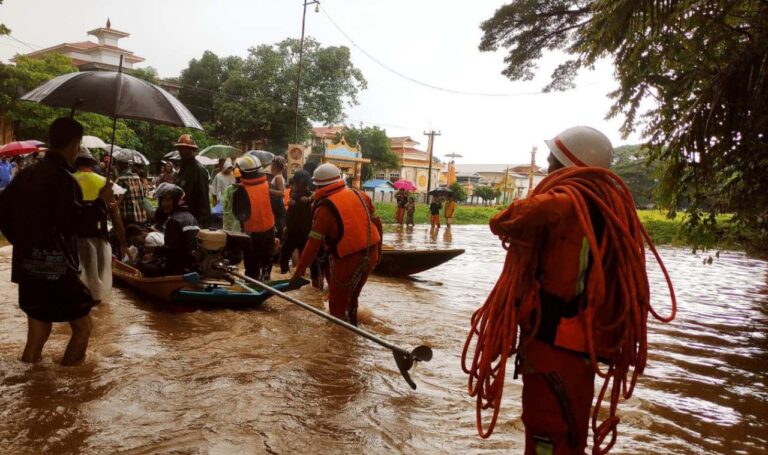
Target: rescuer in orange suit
x: 345, y: 223
x: 558, y: 378
x: 251, y: 205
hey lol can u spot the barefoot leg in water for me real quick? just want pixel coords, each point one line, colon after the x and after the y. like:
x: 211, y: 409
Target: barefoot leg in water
x: 78, y: 343
x: 37, y: 334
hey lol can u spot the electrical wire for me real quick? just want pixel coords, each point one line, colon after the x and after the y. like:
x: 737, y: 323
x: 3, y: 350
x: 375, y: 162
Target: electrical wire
x: 421, y: 83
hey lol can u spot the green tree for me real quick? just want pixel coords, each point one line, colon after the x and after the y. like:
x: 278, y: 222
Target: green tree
x: 201, y: 83
x: 257, y: 100
x: 459, y: 194
x: 375, y: 146
x: 630, y: 162
x: 703, y: 64
x: 486, y: 193
x: 3, y: 29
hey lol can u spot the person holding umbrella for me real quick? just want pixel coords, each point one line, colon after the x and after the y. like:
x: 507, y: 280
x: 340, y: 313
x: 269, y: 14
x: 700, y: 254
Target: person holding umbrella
x: 43, y: 212
x: 193, y: 179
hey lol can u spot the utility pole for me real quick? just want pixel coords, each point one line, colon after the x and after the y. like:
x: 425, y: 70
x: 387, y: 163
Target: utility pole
x: 530, y: 172
x: 430, y: 146
x: 506, y: 178
x: 301, y: 59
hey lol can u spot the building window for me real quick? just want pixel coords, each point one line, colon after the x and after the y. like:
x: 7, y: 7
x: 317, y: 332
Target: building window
x: 381, y: 176
x: 394, y: 175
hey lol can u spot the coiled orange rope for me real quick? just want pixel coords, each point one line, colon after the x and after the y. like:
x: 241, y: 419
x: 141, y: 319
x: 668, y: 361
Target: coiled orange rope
x: 618, y: 297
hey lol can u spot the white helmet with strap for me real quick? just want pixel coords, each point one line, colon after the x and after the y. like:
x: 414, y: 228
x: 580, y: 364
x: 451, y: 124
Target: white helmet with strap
x: 248, y: 163
x: 326, y: 174
x: 582, y: 146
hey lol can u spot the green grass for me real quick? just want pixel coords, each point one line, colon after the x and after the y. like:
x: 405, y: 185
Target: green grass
x: 465, y: 214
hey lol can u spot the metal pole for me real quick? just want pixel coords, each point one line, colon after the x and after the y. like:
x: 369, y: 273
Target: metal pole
x: 298, y: 75
x: 430, y: 146
x: 118, y: 82
x: 403, y: 358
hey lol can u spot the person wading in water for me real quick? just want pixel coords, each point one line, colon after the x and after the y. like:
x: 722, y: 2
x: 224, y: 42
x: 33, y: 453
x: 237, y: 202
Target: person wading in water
x: 252, y: 206
x: 575, y: 285
x: 43, y: 213
x: 345, y: 221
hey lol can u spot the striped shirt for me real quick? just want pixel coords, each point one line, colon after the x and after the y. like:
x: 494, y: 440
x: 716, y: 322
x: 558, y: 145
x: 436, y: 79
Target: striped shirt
x: 131, y: 207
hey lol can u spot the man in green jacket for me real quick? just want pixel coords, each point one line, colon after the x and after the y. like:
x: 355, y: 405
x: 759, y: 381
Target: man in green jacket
x: 193, y: 179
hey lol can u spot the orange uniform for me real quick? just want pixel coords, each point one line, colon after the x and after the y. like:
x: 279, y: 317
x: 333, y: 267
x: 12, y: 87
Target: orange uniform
x: 344, y: 221
x: 558, y: 379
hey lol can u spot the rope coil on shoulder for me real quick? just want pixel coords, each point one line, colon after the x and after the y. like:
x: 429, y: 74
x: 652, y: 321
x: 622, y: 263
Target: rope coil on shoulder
x: 617, y: 298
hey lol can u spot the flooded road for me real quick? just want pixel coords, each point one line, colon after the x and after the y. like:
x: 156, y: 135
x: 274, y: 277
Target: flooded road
x: 280, y: 380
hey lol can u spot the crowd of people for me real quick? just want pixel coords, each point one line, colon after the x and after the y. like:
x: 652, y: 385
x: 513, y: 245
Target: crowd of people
x: 406, y: 209
x: 70, y: 213
x: 56, y: 212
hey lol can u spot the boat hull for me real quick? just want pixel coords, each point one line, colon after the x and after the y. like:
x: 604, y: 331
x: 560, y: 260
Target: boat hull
x: 177, y: 291
x: 402, y: 263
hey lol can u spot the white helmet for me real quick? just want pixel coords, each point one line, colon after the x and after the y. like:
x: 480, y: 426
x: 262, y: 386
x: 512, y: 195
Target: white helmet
x: 248, y: 163
x: 325, y: 174
x: 582, y: 146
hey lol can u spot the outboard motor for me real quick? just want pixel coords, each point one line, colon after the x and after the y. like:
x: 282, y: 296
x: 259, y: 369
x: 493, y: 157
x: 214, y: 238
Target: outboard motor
x: 218, y: 248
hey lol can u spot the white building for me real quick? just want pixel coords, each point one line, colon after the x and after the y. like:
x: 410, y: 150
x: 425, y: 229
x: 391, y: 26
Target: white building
x: 102, y: 55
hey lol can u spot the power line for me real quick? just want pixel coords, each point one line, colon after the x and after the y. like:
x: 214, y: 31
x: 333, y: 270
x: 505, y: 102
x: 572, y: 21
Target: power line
x: 416, y: 81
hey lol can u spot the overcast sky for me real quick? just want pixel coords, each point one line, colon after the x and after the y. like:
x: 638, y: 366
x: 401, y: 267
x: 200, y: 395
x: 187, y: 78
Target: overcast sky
x: 429, y: 40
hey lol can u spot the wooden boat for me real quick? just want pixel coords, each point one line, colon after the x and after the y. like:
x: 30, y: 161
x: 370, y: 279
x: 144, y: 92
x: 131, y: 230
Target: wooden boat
x: 396, y: 262
x: 181, y: 291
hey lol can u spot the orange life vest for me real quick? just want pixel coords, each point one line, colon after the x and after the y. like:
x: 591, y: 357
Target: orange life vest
x: 563, y: 266
x: 356, y: 229
x: 287, y: 197
x: 262, y: 219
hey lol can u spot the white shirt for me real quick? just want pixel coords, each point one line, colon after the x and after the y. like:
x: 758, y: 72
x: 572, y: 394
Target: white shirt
x: 220, y: 183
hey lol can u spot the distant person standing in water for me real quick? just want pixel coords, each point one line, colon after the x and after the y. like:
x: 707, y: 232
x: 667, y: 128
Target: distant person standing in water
x: 402, y: 200
x: 410, y: 210
x: 43, y: 230
x: 450, y: 210
x: 434, y: 212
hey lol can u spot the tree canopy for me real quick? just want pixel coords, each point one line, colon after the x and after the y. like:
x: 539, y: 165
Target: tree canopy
x: 459, y: 194
x: 486, y: 193
x: 702, y: 65
x: 375, y: 146
x: 253, y: 98
x: 3, y: 29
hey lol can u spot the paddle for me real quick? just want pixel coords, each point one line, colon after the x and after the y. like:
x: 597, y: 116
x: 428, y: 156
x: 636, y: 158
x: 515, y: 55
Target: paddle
x: 405, y: 359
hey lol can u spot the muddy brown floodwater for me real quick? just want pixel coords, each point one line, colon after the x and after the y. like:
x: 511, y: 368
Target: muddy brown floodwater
x: 280, y: 380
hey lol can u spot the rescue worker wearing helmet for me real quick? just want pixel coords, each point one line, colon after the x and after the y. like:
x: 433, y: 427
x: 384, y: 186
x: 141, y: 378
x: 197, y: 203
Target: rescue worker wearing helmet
x: 344, y: 222
x: 252, y: 206
x: 180, y: 230
x: 558, y: 378
x: 193, y: 179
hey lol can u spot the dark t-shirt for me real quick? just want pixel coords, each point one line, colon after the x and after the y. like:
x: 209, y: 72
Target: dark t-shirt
x: 434, y: 208
x: 193, y: 179
x: 402, y: 200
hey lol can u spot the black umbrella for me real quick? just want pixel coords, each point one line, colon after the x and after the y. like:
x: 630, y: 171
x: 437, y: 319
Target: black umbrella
x: 115, y: 94
x: 441, y: 191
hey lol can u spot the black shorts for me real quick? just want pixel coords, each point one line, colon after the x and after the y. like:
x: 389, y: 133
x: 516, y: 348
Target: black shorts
x: 65, y: 299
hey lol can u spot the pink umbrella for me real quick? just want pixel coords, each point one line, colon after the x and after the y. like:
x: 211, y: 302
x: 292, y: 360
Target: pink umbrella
x: 17, y: 148
x: 406, y: 185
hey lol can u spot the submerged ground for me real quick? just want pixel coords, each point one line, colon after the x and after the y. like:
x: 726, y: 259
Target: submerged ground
x: 279, y: 380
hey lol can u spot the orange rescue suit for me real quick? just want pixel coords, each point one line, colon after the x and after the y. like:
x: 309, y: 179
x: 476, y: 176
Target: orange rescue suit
x: 262, y: 219
x: 563, y: 261
x: 345, y: 222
